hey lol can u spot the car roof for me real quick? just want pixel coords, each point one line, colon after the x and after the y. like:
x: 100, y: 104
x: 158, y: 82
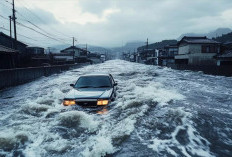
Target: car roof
x: 95, y: 74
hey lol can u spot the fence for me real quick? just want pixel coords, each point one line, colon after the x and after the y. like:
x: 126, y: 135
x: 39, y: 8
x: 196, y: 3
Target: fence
x: 207, y: 69
x: 13, y: 77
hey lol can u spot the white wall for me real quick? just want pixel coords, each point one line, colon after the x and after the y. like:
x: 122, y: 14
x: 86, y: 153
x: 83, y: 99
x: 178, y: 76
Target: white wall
x: 195, y: 48
x: 183, y: 50
x: 77, y: 52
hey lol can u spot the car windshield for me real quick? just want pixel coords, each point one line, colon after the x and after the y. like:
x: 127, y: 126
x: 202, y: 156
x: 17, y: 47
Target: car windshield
x: 93, y: 82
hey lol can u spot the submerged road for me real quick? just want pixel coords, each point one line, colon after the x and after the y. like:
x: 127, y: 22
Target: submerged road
x: 158, y: 112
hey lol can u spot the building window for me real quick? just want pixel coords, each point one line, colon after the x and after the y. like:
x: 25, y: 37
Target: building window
x: 209, y: 49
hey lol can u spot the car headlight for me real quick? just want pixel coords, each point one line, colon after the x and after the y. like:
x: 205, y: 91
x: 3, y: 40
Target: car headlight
x: 69, y: 102
x: 102, y: 102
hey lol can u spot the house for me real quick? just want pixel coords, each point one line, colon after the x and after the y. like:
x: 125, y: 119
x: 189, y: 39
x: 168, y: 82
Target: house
x: 61, y: 58
x: 8, y: 57
x: 171, y: 50
x: 197, y: 51
x: 146, y: 56
x: 166, y: 56
x: 35, y: 50
x: 9, y: 42
x: 76, y: 51
x: 225, y: 58
x: 94, y: 57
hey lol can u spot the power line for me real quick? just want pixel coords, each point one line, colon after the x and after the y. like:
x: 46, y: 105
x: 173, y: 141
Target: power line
x: 26, y: 37
x: 43, y: 33
x: 37, y: 26
x: 8, y: 2
x: 41, y: 20
x: 20, y: 24
x: 5, y: 5
x: 4, y: 17
x: 18, y: 34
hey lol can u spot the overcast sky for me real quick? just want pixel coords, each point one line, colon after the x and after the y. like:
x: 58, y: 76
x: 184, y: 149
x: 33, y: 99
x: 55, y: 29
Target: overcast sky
x: 110, y: 23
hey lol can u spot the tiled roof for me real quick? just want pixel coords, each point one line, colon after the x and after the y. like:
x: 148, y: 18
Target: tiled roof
x: 203, y: 41
x: 72, y: 47
x: 198, y: 40
x: 6, y: 36
x: 227, y: 54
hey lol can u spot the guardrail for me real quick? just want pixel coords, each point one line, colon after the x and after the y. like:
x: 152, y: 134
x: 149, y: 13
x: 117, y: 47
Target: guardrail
x: 14, y: 77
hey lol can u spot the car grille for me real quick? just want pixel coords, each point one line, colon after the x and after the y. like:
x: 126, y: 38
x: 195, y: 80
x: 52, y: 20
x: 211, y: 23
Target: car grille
x: 83, y: 103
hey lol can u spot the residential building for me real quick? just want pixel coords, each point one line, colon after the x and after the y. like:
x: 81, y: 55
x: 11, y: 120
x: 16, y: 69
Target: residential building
x: 94, y: 57
x: 197, y: 51
x: 76, y: 51
x: 166, y: 55
x: 9, y: 42
x: 146, y: 56
x: 8, y: 57
x: 61, y: 58
x: 35, y: 50
x: 225, y: 58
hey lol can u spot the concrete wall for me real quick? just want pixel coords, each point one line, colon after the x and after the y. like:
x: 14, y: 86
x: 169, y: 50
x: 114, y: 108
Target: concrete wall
x: 13, y: 77
x: 207, y: 69
x: 183, y: 50
x: 202, y: 59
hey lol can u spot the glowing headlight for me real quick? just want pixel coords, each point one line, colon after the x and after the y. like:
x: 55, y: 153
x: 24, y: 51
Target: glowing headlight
x: 69, y: 102
x: 102, y: 102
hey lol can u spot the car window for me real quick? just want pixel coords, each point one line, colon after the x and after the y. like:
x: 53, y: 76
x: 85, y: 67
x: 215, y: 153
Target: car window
x: 93, y: 81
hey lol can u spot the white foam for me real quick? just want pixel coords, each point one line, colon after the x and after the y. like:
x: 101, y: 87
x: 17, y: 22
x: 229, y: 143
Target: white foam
x: 85, y: 120
x: 138, y: 92
x: 199, y: 148
x: 99, y: 146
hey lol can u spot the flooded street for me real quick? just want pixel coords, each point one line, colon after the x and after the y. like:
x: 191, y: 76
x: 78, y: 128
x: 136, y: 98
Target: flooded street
x: 158, y: 112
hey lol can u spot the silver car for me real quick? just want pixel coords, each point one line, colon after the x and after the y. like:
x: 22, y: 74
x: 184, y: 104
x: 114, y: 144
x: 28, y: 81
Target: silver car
x: 92, y: 91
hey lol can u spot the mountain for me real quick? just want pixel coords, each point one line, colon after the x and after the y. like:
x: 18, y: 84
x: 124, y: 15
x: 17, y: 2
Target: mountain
x: 213, y: 34
x: 128, y: 47
x: 91, y: 48
x: 159, y: 45
x: 96, y: 49
x: 226, y: 38
x: 219, y: 32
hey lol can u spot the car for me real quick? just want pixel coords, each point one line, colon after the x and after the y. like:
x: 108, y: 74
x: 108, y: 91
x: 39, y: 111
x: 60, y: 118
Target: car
x: 92, y: 90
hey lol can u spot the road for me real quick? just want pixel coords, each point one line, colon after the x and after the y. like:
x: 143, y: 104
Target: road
x: 158, y: 112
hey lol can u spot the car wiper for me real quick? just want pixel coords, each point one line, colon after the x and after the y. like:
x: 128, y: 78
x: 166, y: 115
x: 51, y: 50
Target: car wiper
x: 102, y: 87
x: 86, y: 87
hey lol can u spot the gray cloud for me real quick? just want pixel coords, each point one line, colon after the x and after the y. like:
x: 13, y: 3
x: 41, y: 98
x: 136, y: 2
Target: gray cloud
x: 139, y: 19
x: 95, y: 6
x: 37, y: 16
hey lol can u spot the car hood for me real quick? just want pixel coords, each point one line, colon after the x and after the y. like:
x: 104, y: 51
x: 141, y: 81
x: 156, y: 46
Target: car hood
x: 100, y: 93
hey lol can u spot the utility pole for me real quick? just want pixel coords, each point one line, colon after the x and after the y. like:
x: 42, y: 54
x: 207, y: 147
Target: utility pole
x: 147, y: 48
x: 11, y: 32
x: 73, y: 41
x: 86, y: 47
x: 14, y: 20
x: 49, y: 50
x: 73, y: 50
x: 147, y: 44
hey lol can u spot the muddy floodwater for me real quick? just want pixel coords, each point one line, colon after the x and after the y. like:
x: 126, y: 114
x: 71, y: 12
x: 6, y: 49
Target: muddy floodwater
x: 158, y: 112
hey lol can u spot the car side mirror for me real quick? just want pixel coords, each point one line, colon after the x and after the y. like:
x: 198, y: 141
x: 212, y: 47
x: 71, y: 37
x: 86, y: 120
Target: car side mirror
x: 72, y: 85
x: 115, y: 84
